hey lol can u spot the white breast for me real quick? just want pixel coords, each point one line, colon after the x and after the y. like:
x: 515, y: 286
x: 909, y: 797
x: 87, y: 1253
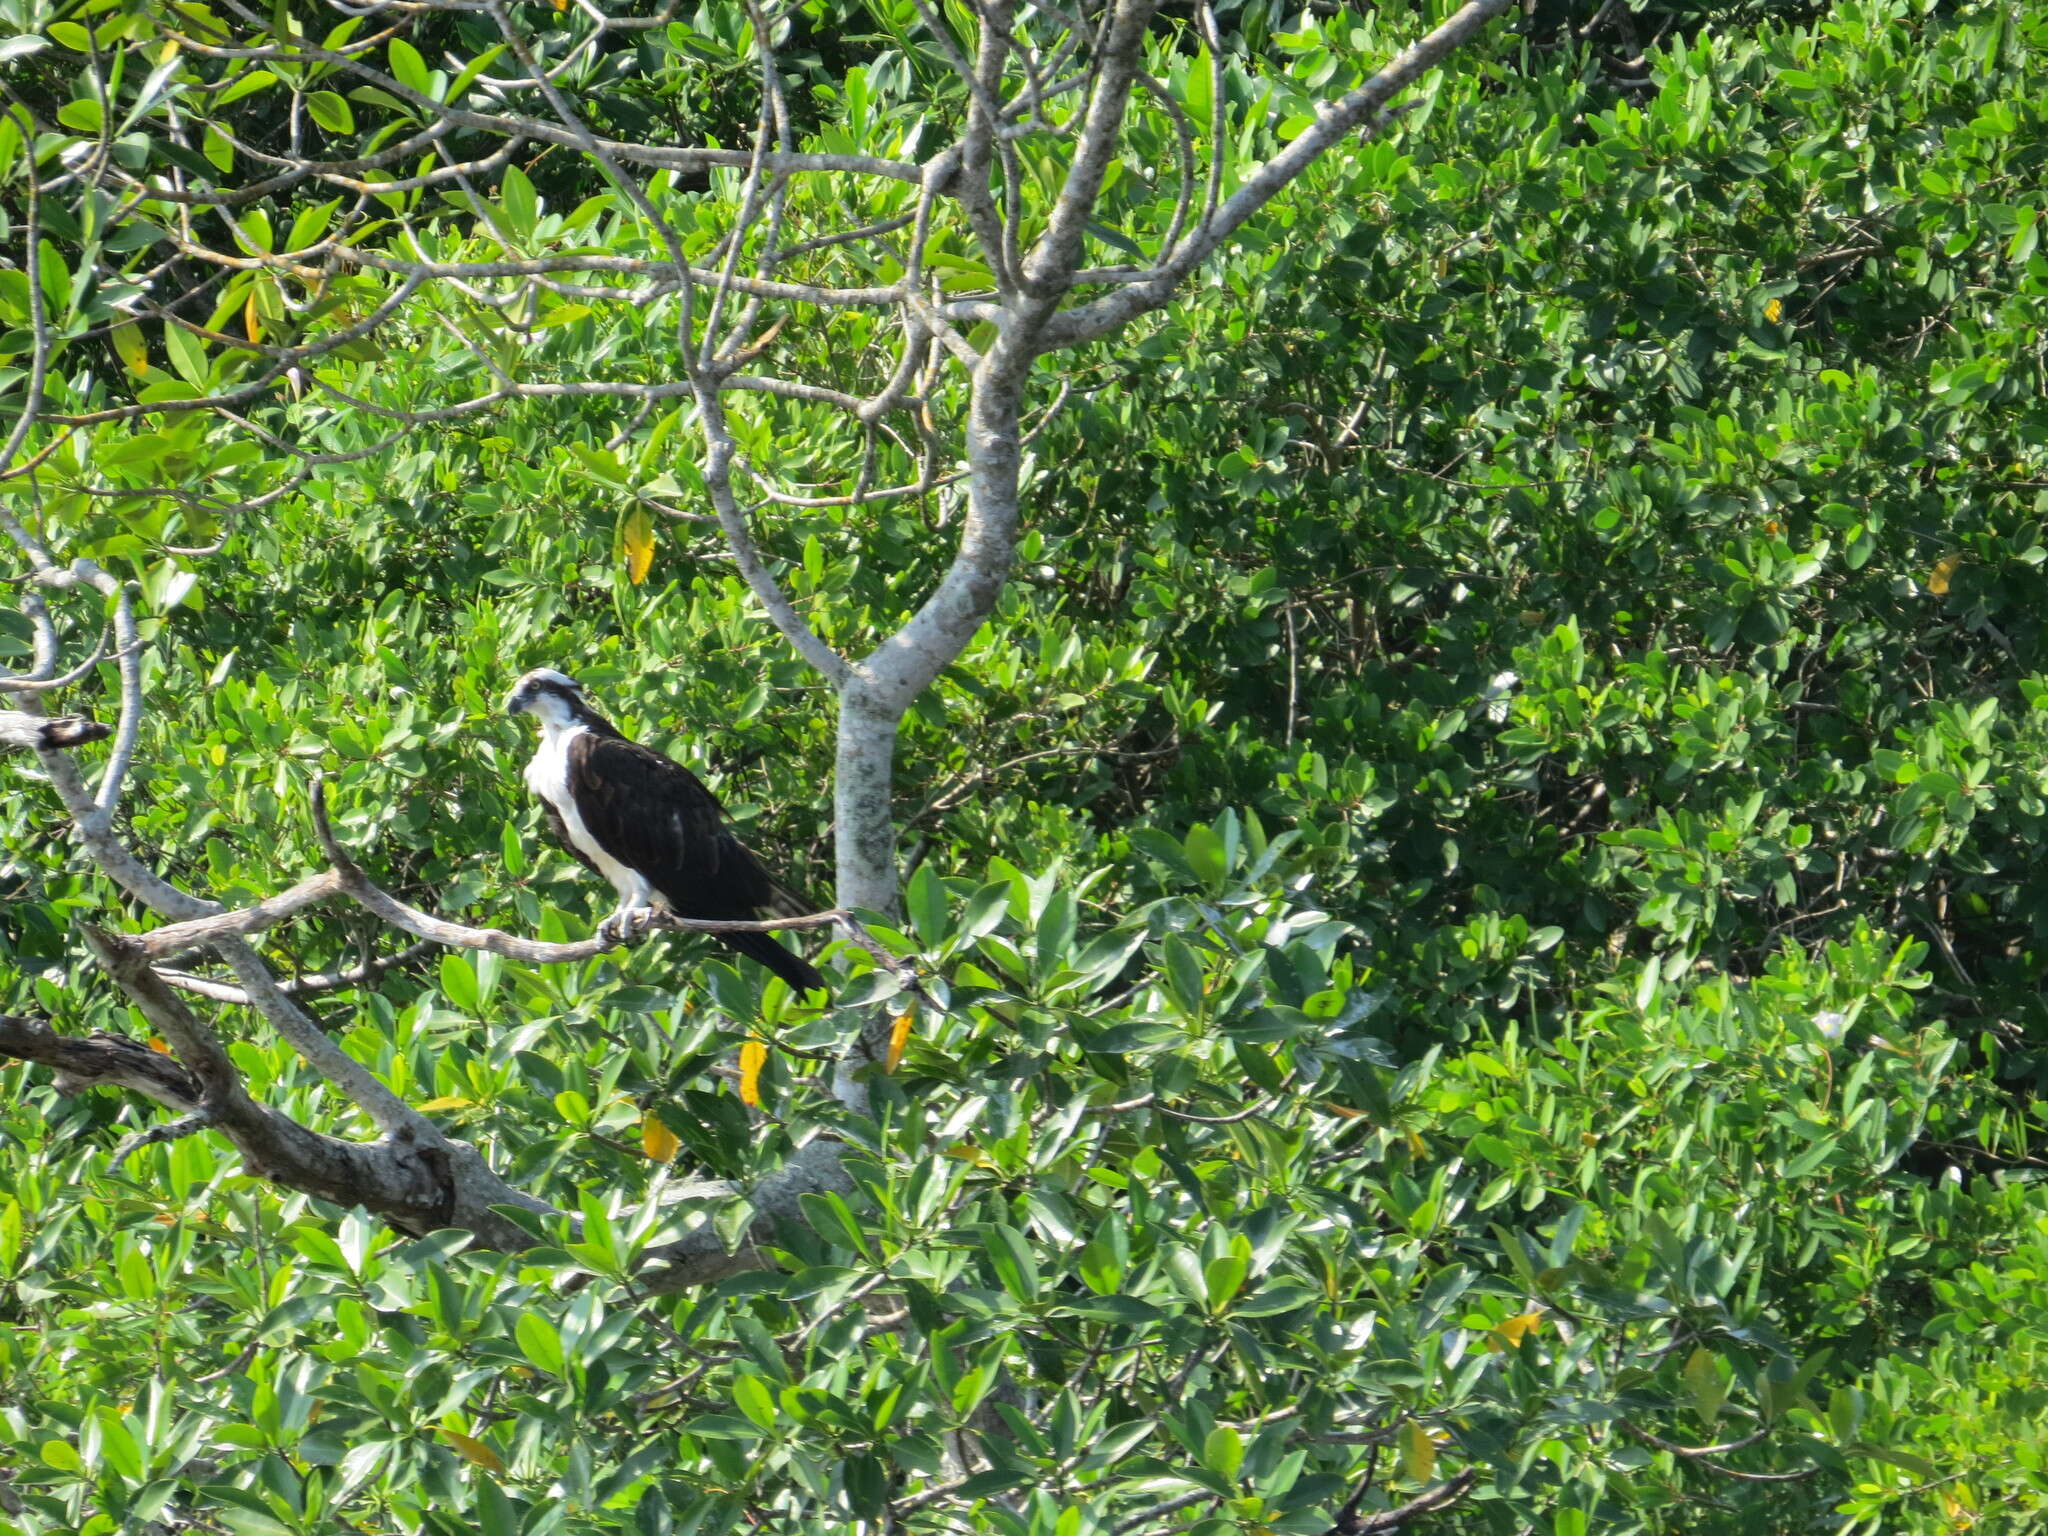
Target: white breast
x: 547, y: 775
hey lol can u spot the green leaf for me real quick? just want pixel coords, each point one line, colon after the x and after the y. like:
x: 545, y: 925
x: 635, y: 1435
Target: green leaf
x: 522, y: 207
x: 924, y: 898
x: 1014, y: 1265
x: 754, y: 1399
x: 833, y: 1219
x: 331, y: 112
x: 1703, y: 1380
x: 1223, y: 1452
x: 408, y: 68
x: 1183, y: 975
x: 1221, y: 1280
x: 539, y: 1342
x: 459, y: 983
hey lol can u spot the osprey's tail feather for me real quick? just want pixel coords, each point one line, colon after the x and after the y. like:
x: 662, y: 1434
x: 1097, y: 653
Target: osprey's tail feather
x: 798, y: 972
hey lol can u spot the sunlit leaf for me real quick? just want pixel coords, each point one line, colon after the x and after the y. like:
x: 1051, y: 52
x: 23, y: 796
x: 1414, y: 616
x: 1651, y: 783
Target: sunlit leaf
x: 753, y: 1057
x: 1418, y: 1453
x: 1703, y: 1380
x: 656, y: 1139
x: 899, y: 1034
x: 639, y: 541
x: 1512, y: 1330
x: 473, y: 1451
x: 129, y: 345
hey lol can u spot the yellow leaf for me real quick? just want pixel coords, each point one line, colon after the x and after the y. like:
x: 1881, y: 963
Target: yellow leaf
x: 656, y: 1139
x: 1342, y: 1113
x: 251, y: 321
x: 1416, y: 1145
x: 639, y: 537
x: 561, y: 5
x: 899, y: 1033
x: 1418, y: 1453
x: 1513, y: 1330
x: 1944, y: 568
x: 474, y: 1451
x: 130, y: 347
x: 753, y: 1057
x: 159, y: 1045
x: 446, y: 1104
x: 1773, y: 310
x: 1773, y: 527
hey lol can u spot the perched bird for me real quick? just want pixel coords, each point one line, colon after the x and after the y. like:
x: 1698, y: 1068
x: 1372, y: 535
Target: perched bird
x: 649, y: 826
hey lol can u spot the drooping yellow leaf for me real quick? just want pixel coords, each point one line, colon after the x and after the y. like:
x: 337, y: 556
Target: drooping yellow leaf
x: 130, y: 347
x: 251, y: 321
x: 1418, y: 1453
x: 753, y: 1057
x: 561, y: 5
x: 473, y: 1451
x: 899, y: 1033
x: 1342, y: 1113
x: 1773, y: 310
x: 639, y: 539
x: 1513, y: 1330
x: 446, y: 1103
x: 1416, y: 1145
x: 1944, y: 569
x: 656, y: 1139
x: 158, y: 1044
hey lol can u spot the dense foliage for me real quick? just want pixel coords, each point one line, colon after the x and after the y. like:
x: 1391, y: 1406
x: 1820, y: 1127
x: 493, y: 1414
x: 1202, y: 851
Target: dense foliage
x: 1485, y: 873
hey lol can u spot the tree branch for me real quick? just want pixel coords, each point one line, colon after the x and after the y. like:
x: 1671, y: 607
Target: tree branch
x: 99, y: 1060
x: 43, y: 733
x: 1358, y: 109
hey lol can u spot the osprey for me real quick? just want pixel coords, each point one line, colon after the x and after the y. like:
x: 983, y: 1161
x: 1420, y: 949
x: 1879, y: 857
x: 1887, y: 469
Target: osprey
x: 649, y: 826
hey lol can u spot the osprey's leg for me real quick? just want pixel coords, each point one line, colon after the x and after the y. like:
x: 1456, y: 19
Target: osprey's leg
x: 634, y: 915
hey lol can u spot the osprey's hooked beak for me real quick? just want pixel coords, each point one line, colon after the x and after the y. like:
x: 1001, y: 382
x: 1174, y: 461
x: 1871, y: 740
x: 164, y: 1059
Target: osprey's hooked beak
x: 527, y: 693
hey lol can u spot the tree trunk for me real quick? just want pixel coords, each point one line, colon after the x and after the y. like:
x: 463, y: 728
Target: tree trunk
x: 874, y: 700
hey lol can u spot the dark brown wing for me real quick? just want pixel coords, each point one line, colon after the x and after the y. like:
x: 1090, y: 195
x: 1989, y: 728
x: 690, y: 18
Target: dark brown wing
x: 653, y: 815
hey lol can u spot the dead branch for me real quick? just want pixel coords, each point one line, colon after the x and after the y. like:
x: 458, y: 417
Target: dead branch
x: 100, y: 1060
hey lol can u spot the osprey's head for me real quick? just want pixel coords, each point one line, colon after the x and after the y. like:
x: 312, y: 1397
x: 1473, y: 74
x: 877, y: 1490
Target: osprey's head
x: 547, y: 693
